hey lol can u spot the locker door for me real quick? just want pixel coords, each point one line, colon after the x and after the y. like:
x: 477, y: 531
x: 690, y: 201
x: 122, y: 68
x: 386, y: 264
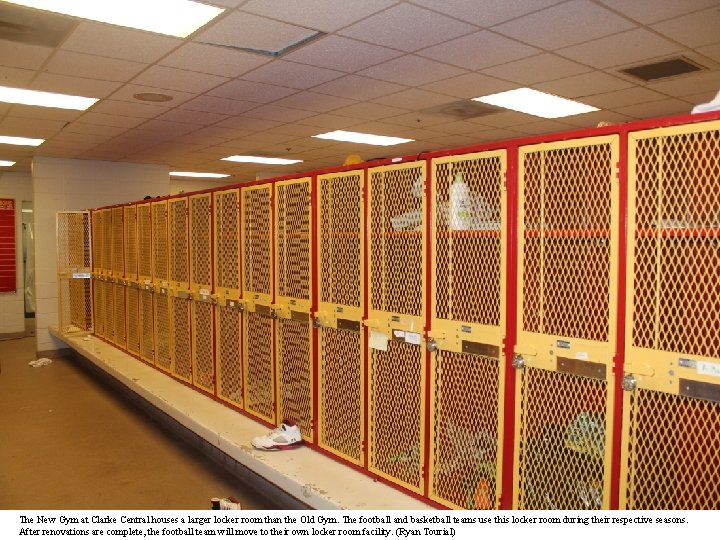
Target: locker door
x: 259, y: 323
x: 161, y: 301
x: 146, y: 300
x: 341, y: 343
x: 567, y: 298
x: 178, y: 289
x: 293, y: 302
x: 74, y: 272
x: 97, y: 275
x: 106, y: 286
x: 228, y: 330
x: 396, y: 321
x: 201, y: 287
x: 132, y: 288
x: 118, y: 278
x: 467, y: 327
x: 671, y: 413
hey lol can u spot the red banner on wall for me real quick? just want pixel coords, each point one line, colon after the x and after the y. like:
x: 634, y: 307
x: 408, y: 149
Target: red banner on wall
x: 8, y: 264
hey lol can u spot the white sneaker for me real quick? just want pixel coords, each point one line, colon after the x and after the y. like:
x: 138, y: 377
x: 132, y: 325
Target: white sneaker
x: 285, y: 437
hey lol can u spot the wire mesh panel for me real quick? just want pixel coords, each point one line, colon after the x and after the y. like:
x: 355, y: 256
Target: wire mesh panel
x: 74, y: 269
x: 467, y: 328
x: 670, y: 436
x: 178, y: 253
x: 161, y: 335
x: 147, y: 325
x: 97, y: 264
x: 396, y: 322
x: 107, y: 241
x: 228, y: 334
x: 132, y: 305
x: 159, y: 242
x: 161, y: 301
x: 341, y: 377
x: 119, y: 314
x: 293, y: 302
x: 258, y: 334
x: 201, y: 258
x: 180, y: 338
x: 145, y: 243
x: 567, y: 287
x: 118, y: 274
x: 132, y: 292
x: 117, y: 242
x: 145, y: 274
x: 106, y: 288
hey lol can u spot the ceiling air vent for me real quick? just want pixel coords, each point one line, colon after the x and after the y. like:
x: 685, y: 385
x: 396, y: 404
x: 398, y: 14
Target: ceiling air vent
x: 663, y: 70
x: 33, y: 27
x: 463, y: 110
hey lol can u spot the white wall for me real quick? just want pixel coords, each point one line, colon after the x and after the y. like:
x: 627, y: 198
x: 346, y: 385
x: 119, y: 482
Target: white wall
x: 74, y: 184
x: 184, y: 185
x: 18, y: 186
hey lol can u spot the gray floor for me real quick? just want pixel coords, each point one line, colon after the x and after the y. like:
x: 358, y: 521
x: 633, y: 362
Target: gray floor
x: 68, y: 442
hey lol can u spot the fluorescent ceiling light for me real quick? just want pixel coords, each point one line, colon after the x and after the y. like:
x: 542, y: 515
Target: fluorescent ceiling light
x: 199, y: 174
x: 6, y: 163
x: 20, y: 141
x: 363, y: 138
x: 527, y: 100
x: 265, y: 160
x: 45, y: 99
x: 178, y: 18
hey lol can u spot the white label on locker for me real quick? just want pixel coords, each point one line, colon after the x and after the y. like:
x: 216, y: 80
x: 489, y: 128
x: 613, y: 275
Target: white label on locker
x: 466, y: 329
x: 581, y: 355
x: 412, y: 338
x: 378, y: 340
x: 338, y: 309
x: 708, y: 368
x: 293, y: 302
x: 686, y: 362
x: 561, y: 344
x: 81, y: 275
x: 204, y: 292
x: 399, y: 333
x: 146, y: 282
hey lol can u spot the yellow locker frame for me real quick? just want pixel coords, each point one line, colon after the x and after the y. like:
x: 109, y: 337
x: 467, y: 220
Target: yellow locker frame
x: 118, y: 277
x: 201, y: 290
x: 671, y: 403
x: 396, y: 325
x: 565, y: 384
x: 132, y: 285
x: 467, y: 321
x: 106, y: 278
x: 178, y: 288
x: 294, y: 336
x: 340, y: 310
x: 259, y: 318
x: 161, y: 300
x: 145, y: 283
x: 228, y: 314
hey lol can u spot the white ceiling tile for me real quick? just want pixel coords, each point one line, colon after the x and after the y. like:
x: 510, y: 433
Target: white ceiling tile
x: 536, y: 69
x: 40, y: 128
x: 128, y: 91
x: 342, y: 54
x: 192, y: 117
x: 290, y: 74
x: 213, y: 59
x: 17, y: 77
x: 587, y: 84
x: 414, y: 99
x: 297, y: 130
x: 407, y: 28
x: 411, y: 70
x: 490, y: 13
x: 312, y: 101
x: 329, y: 122
x: 95, y: 129
x: 417, y: 120
x: 469, y: 86
x: 688, y: 85
x: 124, y: 108
x: 627, y: 48
x: 651, y: 11
x: 117, y: 42
x: 694, y: 30
x: 21, y: 55
x: 76, y: 86
x: 249, y: 124
x: 622, y: 98
x: 93, y: 67
x: 89, y: 138
x: 248, y: 31
x: 369, y: 111
x: 162, y: 128
x: 358, y: 88
x: 479, y: 50
x: 711, y: 51
x: 325, y: 15
x: 93, y: 117
x: 503, y: 119
x: 44, y: 113
x: 178, y: 79
x: 592, y: 119
x: 251, y: 91
x: 665, y: 107
x: 566, y: 24
x: 219, y: 105
x: 278, y: 114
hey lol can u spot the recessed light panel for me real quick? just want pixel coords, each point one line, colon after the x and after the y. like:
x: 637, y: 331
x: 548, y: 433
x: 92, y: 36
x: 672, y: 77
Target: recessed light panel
x: 22, y: 96
x: 178, y: 18
x: 20, y: 141
x: 6, y: 163
x: 264, y: 160
x: 529, y: 101
x: 362, y: 138
x: 198, y: 174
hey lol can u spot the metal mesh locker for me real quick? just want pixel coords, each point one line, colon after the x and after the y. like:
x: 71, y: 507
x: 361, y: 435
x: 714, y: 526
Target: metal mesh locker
x: 74, y: 272
x: 293, y: 301
x: 396, y: 322
x: 145, y: 275
x: 178, y: 289
x: 258, y: 334
x: 118, y: 278
x: 161, y: 301
x: 132, y: 285
x: 341, y: 369
x: 97, y: 275
x: 201, y: 286
x: 467, y: 328
x: 567, y: 288
x: 671, y: 421
x: 228, y: 330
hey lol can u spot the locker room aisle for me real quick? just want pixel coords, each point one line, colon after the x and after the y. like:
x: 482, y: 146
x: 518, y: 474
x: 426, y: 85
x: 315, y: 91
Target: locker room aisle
x: 69, y: 442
